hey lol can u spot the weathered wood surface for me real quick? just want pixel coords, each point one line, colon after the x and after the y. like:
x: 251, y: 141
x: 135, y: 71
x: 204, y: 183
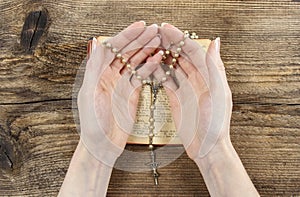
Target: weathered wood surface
x: 260, y: 49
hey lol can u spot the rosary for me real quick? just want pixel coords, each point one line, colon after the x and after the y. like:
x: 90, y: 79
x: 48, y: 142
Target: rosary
x: 155, y: 86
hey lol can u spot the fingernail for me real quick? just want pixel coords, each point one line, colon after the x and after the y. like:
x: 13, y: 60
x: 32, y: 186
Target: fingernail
x: 94, y: 44
x: 163, y: 24
x: 217, y: 44
x: 155, y: 25
x: 161, y: 52
x: 143, y: 22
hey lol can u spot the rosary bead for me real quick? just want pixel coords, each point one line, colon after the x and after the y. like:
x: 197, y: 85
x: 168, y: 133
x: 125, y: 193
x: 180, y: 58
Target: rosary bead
x: 114, y: 50
x: 186, y: 35
x: 128, y: 65
x: 152, y: 107
x: 174, y: 60
x: 151, y: 127
x: 133, y: 72
x: 119, y: 55
x: 144, y: 81
x: 150, y: 146
x: 108, y: 45
x: 168, y: 73
x: 138, y: 77
x: 151, y: 119
x: 186, y: 32
x: 178, y: 49
x: 171, y: 66
x: 167, y: 52
x: 164, y: 79
x: 151, y: 135
x: 123, y: 61
x: 181, y: 43
x: 176, y: 55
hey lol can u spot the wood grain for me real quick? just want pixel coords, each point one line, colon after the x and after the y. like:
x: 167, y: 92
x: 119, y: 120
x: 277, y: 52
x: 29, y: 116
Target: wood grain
x: 260, y: 49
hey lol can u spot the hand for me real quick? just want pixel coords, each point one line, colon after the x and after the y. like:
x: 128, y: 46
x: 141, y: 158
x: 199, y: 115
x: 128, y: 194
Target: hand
x: 200, y: 97
x: 108, y: 97
x: 201, y: 105
x: 107, y: 103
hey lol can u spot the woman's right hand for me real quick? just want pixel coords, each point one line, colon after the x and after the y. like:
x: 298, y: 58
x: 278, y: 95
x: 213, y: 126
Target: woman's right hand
x: 200, y: 97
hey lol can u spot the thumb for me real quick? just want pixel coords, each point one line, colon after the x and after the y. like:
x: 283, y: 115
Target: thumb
x: 215, y: 64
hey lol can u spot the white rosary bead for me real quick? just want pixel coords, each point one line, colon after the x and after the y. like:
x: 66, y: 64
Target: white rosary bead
x: 171, y: 66
x: 176, y: 55
x: 178, y: 49
x: 108, y: 45
x: 167, y: 52
x: 123, y: 60
x: 150, y: 146
x: 152, y: 107
x: 151, y: 127
x: 168, y: 73
x: 174, y: 60
x: 114, y: 50
x: 151, y: 135
x: 119, y: 55
x: 151, y: 120
x: 144, y: 81
x: 181, y: 43
x: 163, y: 79
x: 138, y: 77
x: 133, y: 72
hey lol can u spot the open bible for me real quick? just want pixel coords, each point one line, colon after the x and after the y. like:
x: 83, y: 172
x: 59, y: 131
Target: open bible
x: 165, y: 130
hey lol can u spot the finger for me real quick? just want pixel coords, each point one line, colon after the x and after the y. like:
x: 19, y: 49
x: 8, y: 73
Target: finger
x: 168, y: 80
x: 139, y: 57
x: 127, y: 35
x: 215, y: 65
x: 92, y: 43
x: 191, y: 50
x: 186, y: 66
x: 137, y: 44
x: 169, y: 35
x: 101, y: 58
x: 147, y: 50
x: 146, y: 70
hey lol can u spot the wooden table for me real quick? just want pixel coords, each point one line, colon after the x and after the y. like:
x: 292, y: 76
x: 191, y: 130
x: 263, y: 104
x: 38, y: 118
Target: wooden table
x: 260, y: 49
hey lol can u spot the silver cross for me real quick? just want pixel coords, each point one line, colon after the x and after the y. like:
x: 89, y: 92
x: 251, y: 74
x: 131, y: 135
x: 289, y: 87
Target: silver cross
x: 154, y: 166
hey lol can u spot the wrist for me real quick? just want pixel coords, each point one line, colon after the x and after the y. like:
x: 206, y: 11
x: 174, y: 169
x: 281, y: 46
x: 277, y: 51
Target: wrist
x: 86, y: 175
x: 224, y: 173
x: 222, y: 151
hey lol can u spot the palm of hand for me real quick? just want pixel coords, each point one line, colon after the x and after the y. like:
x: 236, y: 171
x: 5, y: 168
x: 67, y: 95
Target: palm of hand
x: 202, y: 104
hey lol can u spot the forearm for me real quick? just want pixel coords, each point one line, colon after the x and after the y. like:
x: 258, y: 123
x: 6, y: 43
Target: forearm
x: 224, y: 173
x: 86, y: 176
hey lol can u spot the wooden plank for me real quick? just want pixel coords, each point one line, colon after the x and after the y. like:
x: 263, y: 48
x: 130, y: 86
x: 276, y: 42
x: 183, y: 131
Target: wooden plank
x: 260, y: 48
